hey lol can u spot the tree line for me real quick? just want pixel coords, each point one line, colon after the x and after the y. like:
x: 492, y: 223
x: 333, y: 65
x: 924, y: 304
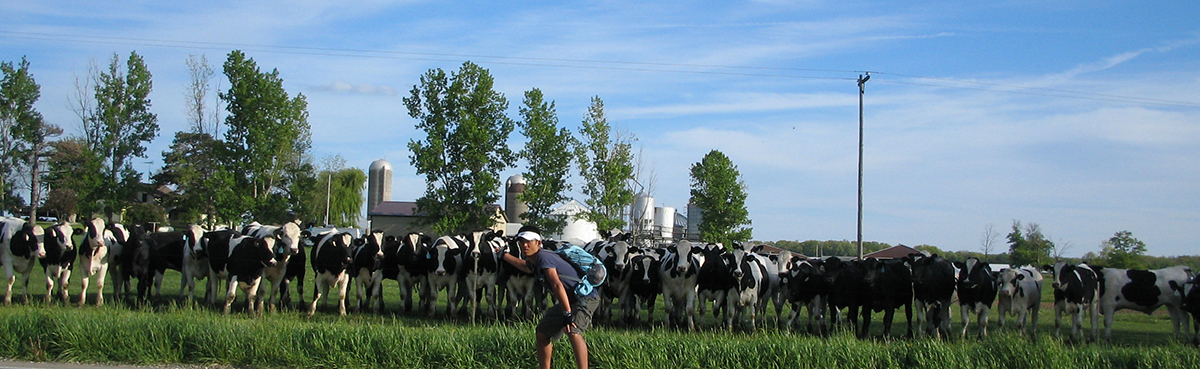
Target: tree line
x: 255, y: 164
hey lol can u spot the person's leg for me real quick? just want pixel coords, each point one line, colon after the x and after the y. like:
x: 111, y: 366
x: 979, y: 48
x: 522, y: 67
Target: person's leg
x: 545, y: 350
x: 581, y: 349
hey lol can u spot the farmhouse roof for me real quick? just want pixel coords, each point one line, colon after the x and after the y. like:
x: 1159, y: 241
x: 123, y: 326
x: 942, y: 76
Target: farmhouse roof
x: 894, y: 252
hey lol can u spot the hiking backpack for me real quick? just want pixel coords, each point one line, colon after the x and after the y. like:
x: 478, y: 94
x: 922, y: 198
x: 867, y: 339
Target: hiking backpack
x: 588, y: 266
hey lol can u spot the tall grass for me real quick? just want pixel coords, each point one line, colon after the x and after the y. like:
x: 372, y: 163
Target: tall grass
x: 199, y: 336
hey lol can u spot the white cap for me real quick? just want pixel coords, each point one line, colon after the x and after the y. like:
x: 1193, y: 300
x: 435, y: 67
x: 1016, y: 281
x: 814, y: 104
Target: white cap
x: 529, y: 236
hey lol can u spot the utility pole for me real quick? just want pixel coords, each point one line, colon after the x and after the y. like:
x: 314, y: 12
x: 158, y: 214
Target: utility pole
x: 328, y: 187
x: 862, y: 80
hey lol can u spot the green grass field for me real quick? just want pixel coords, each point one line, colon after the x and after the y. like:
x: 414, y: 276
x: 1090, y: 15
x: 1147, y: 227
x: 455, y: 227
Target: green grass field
x: 170, y: 331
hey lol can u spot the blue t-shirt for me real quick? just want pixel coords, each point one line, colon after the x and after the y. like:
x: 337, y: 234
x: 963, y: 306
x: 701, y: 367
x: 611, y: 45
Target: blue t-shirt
x: 547, y: 259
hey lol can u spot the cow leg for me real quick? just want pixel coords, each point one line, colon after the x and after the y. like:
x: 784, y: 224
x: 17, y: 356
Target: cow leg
x: 50, y: 274
x: 319, y: 288
x: 908, y: 315
x: 231, y: 293
x: 254, y: 301
x: 83, y: 284
x: 691, y: 310
x: 965, y: 312
x: 344, y: 282
x: 983, y: 320
x: 888, y: 315
x: 158, y: 278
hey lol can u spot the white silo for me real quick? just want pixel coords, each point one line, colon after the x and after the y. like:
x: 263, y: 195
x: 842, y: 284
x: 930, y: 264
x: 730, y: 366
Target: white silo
x: 664, y: 222
x: 641, y: 216
x: 694, y: 219
x: 379, y: 183
x: 514, y: 207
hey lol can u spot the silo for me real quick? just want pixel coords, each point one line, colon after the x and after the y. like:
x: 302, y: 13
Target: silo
x: 694, y: 219
x: 664, y: 222
x: 379, y: 183
x: 642, y: 214
x: 514, y: 207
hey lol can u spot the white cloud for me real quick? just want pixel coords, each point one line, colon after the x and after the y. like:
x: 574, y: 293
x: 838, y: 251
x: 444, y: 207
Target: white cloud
x: 361, y: 88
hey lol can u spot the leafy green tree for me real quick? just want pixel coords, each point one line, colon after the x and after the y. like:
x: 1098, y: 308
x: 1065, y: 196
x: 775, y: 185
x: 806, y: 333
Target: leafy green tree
x: 1028, y: 247
x: 147, y: 214
x: 720, y: 193
x: 266, y: 139
x: 26, y: 130
x: 75, y: 167
x: 465, y: 147
x: 1123, y: 251
x: 124, y: 124
x: 549, y: 164
x: 606, y: 167
x: 336, y: 186
x: 191, y: 166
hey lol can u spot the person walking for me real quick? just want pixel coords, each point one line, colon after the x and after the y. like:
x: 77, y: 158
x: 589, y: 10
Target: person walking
x: 571, y: 314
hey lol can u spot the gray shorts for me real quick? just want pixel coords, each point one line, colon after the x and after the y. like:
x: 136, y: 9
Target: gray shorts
x: 552, y: 320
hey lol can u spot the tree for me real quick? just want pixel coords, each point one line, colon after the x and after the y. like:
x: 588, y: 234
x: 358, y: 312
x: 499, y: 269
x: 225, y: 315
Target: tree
x: 196, y: 96
x: 988, y: 240
x: 266, y: 140
x: 720, y: 193
x: 1028, y: 247
x: 123, y: 124
x: 25, y: 143
x: 1123, y: 251
x: 336, y: 188
x: 75, y: 167
x: 548, y: 171
x: 606, y: 167
x: 465, y: 147
x: 193, y: 166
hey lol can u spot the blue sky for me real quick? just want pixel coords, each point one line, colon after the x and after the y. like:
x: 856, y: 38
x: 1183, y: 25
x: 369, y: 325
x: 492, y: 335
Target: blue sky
x: 1081, y: 116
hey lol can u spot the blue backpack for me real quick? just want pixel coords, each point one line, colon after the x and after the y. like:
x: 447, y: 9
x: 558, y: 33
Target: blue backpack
x: 588, y: 266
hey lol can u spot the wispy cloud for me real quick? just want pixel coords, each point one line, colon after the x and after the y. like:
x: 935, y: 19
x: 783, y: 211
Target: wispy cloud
x: 360, y: 89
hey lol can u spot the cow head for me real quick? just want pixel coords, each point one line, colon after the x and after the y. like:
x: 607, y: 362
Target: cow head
x: 643, y: 268
x: 28, y: 241
x: 973, y: 273
x: 687, y: 257
x: 445, y: 252
x: 191, y: 237
x: 616, y: 254
x: 373, y: 242
x: 95, y: 233
x: 289, y: 238
x: 265, y: 247
x: 58, y: 240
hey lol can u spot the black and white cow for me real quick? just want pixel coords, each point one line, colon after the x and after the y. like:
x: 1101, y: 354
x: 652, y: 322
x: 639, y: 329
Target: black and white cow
x: 613, y: 251
x: 365, y: 270
x: 976, y: 293
x: 297, y: 266
x: 59, y: 260
x: 1191, y: 304
x: 287, y: 247
x: 178, y: 250
x: 241, y: 259
x: 850, y: 290
x: 135, y: 262
x: 519, y: 288
x: 933, y: 288
x: 1020, y: 294
x: 644, y: 286
x: 715, y: 282
x: 753, y: 273
x: 21, y: 243
x: 783, y: 264
x: 807, y: 287
x: 1077, y: 288
x: 1144, y: 291
x: 891, y: 288
x: 679, y: 271
x: 481, y: 270
x: 331, y: 263
x: 404, y: 262
x: 445, y: 258
x: 94, y: 258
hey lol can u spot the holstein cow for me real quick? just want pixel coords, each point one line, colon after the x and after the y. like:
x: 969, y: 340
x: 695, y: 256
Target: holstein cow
x: 60, y: 258
x: 287, y: 247
x: 644, y: 286
x: 135, y: 262
x: 754, y: 274
x: 1191, y: 304
x: 716, y: 282
x: 404, y: 262
x: 330, y: 261
x: 891, y: 288
x: 241, y: 259
x: 480, y: 270
x: 613, y: 251
x: 445, y: 258
x: 366, y: 260
x: 933, y: 288
x: 807, y: 287
x: 679, y: 271
x: 783, y: 264
x: 1020, y: 294
x: 115, y: 237
x: 179, y: 250
x: 976, y: 292
x: 519, y: 288
x: 850, y: 290
x: 1144, y: 291
x: 297, y: 265
x: 1077, y: 288
x: 20, y: 244
x: 94, y: 258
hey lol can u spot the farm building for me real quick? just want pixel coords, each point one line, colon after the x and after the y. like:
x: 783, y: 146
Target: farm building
x: 894, y: 252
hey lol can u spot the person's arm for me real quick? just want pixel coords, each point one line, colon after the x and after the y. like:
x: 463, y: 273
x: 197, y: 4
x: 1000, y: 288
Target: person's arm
x: 560, y: 293
x: 517, y: 262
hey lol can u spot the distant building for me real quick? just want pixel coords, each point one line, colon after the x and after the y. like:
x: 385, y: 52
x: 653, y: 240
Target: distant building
x: 576, y: 228
x: 398, y: 218
x: 894, y: 252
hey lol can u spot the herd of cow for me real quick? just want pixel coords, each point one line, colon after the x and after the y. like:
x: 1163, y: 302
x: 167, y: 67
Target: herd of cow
x: 738, y: 283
